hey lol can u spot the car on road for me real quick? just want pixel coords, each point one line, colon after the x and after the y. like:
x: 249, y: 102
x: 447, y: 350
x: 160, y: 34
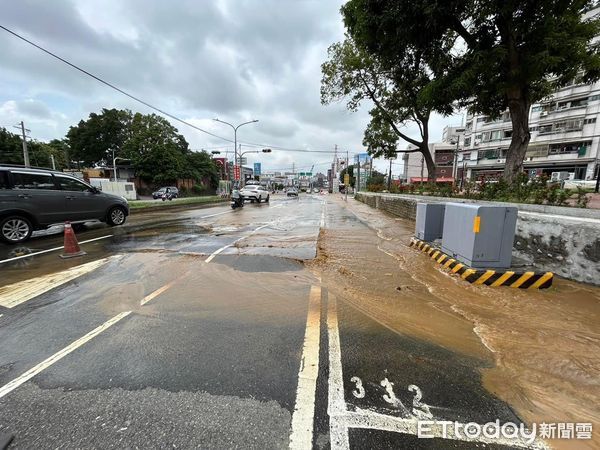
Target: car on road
x: 35, y: 199
x: 292, y: 192
x: 255, y: 193
x: 162, y: 191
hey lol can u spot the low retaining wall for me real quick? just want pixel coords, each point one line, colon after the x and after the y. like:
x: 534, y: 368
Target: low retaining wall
x: 562, y: 240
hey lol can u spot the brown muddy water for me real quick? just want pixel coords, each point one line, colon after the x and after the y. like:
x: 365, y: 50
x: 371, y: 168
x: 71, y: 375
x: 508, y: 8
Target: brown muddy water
x: 543, y: 346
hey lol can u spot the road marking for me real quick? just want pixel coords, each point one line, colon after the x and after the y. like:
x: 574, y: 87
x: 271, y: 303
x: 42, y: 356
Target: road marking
x: 336, y: 407
x: 51, y: 250
x: 7, y: 388
x: 162, y: 289
x: 14, y: 294
x: 217, y: 214
x: 216, y: 252
x: 304, y: 411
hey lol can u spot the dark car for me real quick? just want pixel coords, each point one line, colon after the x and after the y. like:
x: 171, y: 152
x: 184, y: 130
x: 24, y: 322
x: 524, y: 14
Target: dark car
x: 35, y: 199
x: 163, y: 190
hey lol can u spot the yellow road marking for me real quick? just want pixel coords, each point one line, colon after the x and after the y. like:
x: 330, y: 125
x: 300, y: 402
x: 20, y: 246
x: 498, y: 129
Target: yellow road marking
x: 547, y: 276
x: 526, y: 276
x: 17, y: 293
x: 483, y: 278
x: 500, y: 281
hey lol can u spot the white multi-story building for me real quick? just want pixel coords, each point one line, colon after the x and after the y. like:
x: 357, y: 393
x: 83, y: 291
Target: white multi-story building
x: 565, y: 137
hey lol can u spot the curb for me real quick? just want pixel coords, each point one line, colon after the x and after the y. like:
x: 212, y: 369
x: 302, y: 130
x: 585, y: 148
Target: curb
x: 493, y: 278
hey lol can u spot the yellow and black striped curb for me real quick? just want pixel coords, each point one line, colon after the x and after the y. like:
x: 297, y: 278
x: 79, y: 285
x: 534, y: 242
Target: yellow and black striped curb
x: 514, y: 279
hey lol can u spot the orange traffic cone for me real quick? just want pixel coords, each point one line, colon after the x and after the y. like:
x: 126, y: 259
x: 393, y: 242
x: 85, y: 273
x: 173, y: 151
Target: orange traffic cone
x: 71, y: 245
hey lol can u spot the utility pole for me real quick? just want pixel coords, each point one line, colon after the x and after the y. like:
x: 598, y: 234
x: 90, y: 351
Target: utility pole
x: 348, y: 172
x: 25, y: 151
x: 53, y: 163
x: 357, y: 182
x: 390, y: 177
x: 422, y: 161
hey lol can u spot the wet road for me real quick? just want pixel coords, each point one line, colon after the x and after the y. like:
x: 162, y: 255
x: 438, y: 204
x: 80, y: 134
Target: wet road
x: 216, y: 328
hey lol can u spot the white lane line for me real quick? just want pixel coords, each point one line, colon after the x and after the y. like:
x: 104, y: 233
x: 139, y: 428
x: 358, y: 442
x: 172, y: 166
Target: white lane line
x: 217, y: 214
x: 216, y: 252
x: 50, y: 250
x: 340, y: 419
x: 304, y: 411
x: 7, y: 388
x: 14, y: 294
x: 336, y: 407
x: 162, y: 289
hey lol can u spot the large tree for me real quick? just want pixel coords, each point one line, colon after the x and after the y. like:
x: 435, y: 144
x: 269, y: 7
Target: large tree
x: 505, y: 54
x: 399, y: 94
x: 93, y: 140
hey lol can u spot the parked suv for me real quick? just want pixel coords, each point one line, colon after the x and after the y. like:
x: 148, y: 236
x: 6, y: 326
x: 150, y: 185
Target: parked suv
x: 34, y: 199
x: 162, y: 191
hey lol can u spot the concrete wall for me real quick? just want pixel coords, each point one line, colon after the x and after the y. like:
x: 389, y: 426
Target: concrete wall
x: 562, y: 240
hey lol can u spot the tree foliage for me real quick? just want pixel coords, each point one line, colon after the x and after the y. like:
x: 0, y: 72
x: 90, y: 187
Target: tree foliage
x: 500, y: 54
x: 11, y: 151
x: 399, y: 93
x: 159, y: 154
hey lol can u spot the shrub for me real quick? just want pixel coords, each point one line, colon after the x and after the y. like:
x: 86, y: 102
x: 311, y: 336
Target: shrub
x: 582, y: 198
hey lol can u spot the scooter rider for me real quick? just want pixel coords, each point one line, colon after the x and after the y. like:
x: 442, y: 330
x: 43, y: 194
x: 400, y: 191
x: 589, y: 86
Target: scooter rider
x: 236, y: 197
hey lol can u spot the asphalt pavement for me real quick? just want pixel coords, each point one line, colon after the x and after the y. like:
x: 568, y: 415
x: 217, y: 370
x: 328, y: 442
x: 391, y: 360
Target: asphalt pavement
x: 207, y: 328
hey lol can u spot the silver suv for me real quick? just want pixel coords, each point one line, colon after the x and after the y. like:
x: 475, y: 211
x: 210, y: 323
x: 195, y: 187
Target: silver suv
x: 34, y: 199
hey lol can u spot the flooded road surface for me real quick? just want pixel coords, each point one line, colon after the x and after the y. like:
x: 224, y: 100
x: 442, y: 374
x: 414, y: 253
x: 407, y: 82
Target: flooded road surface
x: 300, y: 323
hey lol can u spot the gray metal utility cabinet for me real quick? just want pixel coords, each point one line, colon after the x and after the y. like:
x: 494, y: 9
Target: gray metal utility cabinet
x: 430, y: 221
x: 479, y: 236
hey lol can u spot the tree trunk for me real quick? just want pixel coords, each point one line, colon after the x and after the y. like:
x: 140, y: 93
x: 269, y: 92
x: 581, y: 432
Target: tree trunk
x: 519, y: 115
x: 429, y: 162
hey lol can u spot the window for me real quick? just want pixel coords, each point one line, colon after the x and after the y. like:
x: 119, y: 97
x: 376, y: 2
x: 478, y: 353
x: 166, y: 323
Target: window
x: 3, y: 179
x: 579, y: 102
x: 481, y: 119
x: 587, y: 121
x: 536, y: 109
x: 467, y: 142
x: 594, y: 98
x: 70, y: 184
x: 25, y: 180
x: 572, y: 147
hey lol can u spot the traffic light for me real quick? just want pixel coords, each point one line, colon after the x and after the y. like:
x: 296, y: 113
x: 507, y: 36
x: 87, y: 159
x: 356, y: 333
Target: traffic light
x: 266, y: 150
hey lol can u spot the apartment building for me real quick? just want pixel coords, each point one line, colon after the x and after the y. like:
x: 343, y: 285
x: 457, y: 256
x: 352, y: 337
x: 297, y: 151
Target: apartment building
x: 565, y: 137
x: 444, y: 154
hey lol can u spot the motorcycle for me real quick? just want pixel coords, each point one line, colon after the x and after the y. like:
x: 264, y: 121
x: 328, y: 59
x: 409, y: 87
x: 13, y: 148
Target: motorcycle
x: 167, y: 196
x: 237, y: 202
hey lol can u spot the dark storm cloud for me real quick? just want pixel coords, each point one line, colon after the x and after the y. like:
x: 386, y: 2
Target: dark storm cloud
x: 198, y: 59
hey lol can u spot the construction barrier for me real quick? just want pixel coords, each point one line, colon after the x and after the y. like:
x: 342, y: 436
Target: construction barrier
x: 493, y: 278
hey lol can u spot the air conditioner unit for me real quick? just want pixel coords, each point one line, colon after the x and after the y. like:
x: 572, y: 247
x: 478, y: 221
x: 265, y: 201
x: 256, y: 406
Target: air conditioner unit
x: 543, y: 113
x: 477, y: 142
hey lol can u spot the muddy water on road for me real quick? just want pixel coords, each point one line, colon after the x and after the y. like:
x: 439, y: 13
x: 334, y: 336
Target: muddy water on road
x: 540, y: 349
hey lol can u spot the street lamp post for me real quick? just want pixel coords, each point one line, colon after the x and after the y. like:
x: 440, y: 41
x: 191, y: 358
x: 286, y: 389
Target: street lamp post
x: 115, y: 164
x: 235, y: 128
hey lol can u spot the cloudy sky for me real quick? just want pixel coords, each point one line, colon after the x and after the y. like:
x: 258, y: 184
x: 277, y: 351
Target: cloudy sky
x: 197, y: 59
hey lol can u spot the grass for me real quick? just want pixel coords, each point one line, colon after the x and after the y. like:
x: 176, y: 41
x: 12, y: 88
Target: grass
x: 157, y: 204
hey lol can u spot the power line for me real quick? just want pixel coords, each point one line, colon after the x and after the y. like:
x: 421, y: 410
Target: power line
x: 112, y: 86
x: 155, y: 108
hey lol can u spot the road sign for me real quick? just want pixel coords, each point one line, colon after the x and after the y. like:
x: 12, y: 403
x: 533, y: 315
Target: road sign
x: 243, y: 160
x: 256, y: 168
x: 346, y: 179
x: 236, y: 172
